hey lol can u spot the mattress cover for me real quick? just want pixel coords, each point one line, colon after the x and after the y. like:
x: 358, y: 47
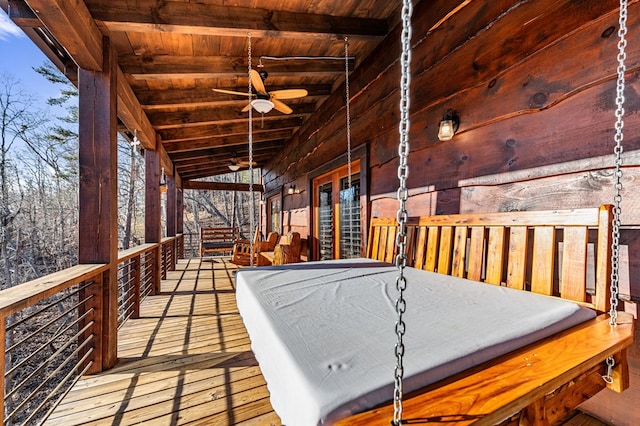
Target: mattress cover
x: 323, y: 332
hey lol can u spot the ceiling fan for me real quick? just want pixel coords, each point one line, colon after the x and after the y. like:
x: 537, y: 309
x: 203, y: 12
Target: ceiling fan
x: 235, y: 163
x: 266, y: 101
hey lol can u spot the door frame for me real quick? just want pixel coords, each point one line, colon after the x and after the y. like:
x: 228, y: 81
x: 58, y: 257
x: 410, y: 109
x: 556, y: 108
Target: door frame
x: 359, y: 154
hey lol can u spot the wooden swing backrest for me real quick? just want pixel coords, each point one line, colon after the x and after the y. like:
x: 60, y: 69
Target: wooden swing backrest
x: 563, y: 253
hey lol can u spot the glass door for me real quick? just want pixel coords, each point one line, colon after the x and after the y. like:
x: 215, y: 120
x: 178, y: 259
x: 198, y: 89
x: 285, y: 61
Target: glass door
x: 337, y: 233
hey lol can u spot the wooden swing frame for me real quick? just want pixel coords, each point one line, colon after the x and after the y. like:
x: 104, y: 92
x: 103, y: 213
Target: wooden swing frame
x: 542, y: 383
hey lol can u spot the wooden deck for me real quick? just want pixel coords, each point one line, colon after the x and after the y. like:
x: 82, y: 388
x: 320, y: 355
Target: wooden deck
x: 186, y: 360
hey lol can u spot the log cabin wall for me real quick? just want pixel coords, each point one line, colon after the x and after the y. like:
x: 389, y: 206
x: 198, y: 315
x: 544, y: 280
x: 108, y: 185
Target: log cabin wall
x: 534, y: 85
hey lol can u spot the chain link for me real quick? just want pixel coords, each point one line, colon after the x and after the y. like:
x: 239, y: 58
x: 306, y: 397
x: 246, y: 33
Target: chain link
x: 618, y: 138
x: 251, y: 200
x: 402, y: 195
x: 349, y: 183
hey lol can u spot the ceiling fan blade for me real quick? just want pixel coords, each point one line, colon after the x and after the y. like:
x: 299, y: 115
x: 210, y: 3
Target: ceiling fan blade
x: 246, y: 163
x: 247, y: 108
x: 231, y: 92
x: 281, y: 106
x: 256, y: 81
x: 289, y: 93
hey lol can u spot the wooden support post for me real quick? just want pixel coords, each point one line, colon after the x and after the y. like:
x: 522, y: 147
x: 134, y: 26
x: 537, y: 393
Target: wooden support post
x: 152, y: 230
x: 180, y: 222
x: 171, y: 219
x: 98, y: 197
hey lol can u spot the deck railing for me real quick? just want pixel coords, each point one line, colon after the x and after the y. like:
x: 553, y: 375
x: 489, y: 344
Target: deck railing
x: 51, y: 327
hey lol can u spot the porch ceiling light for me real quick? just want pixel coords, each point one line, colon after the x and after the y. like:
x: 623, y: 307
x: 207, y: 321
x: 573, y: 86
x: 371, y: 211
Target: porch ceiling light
x: 234, y: 167
x: 263, y: 106
x: 448, y: 125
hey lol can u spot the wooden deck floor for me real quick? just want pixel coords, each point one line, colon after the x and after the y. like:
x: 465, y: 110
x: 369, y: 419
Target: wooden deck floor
x: 187, y: 360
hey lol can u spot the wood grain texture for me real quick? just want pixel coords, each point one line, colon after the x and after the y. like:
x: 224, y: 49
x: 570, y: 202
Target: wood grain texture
x: 493, y: 392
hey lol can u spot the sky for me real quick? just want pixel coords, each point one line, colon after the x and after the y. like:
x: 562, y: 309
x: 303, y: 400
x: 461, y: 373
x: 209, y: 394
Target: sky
x: 18, y: 56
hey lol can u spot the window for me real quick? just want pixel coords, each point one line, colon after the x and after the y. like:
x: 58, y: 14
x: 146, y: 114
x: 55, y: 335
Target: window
x: 337, y: 229
x: 274, y: 214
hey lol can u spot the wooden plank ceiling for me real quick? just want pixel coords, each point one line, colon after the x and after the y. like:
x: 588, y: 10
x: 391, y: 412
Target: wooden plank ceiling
x: 173, y: 53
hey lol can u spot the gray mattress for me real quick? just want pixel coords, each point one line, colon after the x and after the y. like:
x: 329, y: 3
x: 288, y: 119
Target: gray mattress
x: 323, y: 332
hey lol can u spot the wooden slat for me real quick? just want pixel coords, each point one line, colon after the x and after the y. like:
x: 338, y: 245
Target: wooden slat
x: 445, y: 250
x: 495, y: 255
x: 573, y: 281
x: 476, y: 253
x: 421, y: 247
x: 603, y: 265
x: 543, y: 256
x: 391, y: 244
x: 382, y: 243
x: 517, y: 257
x: 459, y: 251
x: 433, y: 243
x: 411, y: 245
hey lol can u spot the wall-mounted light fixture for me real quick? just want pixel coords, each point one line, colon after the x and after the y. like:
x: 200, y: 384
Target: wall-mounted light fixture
x: 292, y: 189
x: 449, y: 125
x: 163, y: 178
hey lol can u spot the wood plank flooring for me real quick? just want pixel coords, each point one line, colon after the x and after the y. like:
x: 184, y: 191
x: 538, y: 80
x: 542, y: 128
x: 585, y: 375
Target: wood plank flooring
x: 186, y: 360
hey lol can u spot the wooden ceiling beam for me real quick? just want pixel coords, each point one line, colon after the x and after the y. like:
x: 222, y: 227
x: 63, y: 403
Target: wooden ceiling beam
x: 156, y: 99
x: 199, y: 117
x: 133, y: 116
x: 220, y: 186
x: 22, y: 15
x: 227, y: 129
x: 203, y: 162
x: 234, y: 21
x: 223, y: 141
x: 208, y: 154
x: 218, y: 168
x: 177, y: 66
x: 74, y: 28
x: 71, y: 25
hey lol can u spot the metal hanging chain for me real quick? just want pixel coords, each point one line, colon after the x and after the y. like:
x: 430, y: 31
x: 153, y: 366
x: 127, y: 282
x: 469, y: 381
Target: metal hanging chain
x: 619, y: 136
x: 402, y: 195
x: 251, y: 206
x: 349, y: 183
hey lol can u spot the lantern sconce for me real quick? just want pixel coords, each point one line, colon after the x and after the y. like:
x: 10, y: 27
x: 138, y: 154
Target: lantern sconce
x: 163, y: 178
x: 292, y: 189
x: 448, y: 125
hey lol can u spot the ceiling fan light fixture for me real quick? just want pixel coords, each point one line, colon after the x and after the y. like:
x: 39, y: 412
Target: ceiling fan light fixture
x: 263, y: 106
x: 234, y: 167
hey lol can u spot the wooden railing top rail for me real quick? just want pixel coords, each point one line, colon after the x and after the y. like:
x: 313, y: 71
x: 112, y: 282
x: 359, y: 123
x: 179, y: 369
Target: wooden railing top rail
x: 124, y: 255
x: 584, y: 217
x: 27, y: 294
x: 167, y: 239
